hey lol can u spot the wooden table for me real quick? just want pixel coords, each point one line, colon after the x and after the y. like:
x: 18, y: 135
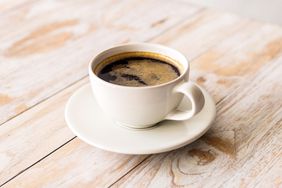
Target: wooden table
x: 44, y: 52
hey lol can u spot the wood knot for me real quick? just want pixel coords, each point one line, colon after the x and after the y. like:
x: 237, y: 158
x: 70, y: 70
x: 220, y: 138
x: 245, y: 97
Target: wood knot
x: 223, y: 145
x: 202, y: 157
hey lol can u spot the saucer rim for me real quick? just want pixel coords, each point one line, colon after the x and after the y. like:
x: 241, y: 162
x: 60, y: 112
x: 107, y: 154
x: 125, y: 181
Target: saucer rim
x: 171, y: 146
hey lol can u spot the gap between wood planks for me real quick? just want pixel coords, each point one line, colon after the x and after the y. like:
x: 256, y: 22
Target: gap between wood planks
x: 48, y: 97
x: 38, y: 161
x: 129, y: 171
x: 73, y: 83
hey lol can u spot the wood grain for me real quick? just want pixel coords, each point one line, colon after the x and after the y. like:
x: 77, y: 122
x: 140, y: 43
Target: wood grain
x: 50, y: 43
x: 227, y: 147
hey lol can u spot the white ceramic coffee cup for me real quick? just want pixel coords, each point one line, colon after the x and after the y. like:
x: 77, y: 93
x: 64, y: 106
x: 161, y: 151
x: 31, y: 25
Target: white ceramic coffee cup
x: 141, y: 107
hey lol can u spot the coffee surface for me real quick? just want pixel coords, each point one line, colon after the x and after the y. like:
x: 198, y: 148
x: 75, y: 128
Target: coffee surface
x: 138, y: 72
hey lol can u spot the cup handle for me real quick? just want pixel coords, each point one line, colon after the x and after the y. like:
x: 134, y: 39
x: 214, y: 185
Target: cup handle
x: 196, y: 97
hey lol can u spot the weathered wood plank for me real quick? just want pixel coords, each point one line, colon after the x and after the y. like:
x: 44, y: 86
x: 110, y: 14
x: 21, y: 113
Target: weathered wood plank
x: 50, y: 43
x: 218, y: 149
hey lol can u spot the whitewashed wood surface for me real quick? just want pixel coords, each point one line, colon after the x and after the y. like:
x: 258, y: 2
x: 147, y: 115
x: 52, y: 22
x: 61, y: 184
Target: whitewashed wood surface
x: 44, y: 51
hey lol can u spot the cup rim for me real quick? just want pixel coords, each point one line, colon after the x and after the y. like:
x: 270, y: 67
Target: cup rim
x: 91, y: 72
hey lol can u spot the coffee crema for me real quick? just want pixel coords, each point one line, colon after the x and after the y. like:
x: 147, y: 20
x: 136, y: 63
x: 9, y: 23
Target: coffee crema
x: 138, y: 69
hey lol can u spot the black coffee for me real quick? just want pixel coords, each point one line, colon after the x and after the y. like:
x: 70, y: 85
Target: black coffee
x: 138, y: 71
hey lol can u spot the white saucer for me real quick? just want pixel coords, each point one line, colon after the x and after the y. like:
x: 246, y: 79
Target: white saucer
x: 88, y: 122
